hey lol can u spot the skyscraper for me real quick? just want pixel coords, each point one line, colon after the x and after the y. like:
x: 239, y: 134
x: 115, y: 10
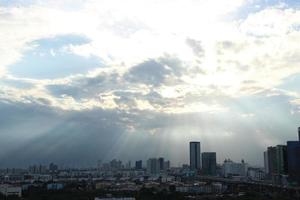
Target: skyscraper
x: 281, y: 156
x: 293, y: 157
x: 299, y: 133
x: 153, y: 166
x: 195, y: 155
x: 209, y: 163
x: 271, y: 152
x: 277, y: 160
x: 166, y: 165
x: 161, y: 163
x: 138, y: 164
x: 266, y: 162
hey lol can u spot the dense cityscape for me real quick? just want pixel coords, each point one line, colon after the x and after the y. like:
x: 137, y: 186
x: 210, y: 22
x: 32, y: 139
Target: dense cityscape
x: 203, y: 178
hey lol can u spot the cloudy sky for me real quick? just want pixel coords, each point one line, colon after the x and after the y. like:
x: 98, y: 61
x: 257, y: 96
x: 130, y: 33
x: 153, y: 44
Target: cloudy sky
x: 82, y: 80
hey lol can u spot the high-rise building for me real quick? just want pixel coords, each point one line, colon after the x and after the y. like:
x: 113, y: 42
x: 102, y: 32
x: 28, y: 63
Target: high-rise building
x: 266, y: 162
x: 209, y: 163
x: 166, y: 165
x: 161, y: 164
x: 195, y: 155
x: 271, y: 151
x: 281, y: 156
x: 115, y: 164
x: 277, y: 160
x: 128, y: 165
x: 139, y: 164
x: 53, y: 168
x: 153, y: 166
x: 99, y: 164
x: 299, y: 133
x: 293, y: 157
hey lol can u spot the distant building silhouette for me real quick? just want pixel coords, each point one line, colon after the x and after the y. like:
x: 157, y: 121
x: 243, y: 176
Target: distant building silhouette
x: 139, y: 164
x: 166, y: 165
x: 161, y: 163
x: 195, y: 155
x: 266, y: 162
x: 209, y: 163
x: 293, y: 157
x: 115, y: 164
x: 277, y: 160
x: 153, y: 166
x: 53, y: 168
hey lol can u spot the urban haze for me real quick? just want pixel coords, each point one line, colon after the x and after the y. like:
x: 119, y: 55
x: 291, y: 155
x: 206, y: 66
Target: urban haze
x: 208, y: 87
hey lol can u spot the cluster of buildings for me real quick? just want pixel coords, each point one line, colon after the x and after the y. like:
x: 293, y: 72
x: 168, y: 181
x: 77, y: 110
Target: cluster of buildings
x: 282, y: 162
x: 205, y: 164
x: 154, y: 166
x: 282, y: 167
x: 157, y: 166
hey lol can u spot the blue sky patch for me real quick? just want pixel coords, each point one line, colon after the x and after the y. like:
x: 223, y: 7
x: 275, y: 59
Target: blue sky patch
x: 291, y: 83
x: 48, y: 60
x: 256, y: 6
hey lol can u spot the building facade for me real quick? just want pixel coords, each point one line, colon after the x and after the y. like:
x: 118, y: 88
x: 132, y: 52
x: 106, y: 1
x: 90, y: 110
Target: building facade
x: 153, y: 166
x: 231, y: 168
x: 139, y: 164
x: 266, y: 162
x: 293, y: 154
x: 277, y: 160
x: 195, y: 155
x: 161, y: 163
x: 209, y: 163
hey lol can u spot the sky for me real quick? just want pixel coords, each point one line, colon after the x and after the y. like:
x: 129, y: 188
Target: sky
x: 88, y: 80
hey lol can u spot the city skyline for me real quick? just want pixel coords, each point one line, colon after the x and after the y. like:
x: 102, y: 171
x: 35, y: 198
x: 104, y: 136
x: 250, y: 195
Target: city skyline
x: 82, y: 81
x: 206, y: 162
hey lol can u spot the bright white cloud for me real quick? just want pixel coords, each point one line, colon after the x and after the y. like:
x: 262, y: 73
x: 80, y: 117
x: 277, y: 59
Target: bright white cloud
x: 239, y: 58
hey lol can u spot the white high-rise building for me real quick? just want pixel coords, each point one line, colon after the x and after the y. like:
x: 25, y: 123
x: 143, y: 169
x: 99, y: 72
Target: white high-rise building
x: 195, y: 155
x: 231, y: 168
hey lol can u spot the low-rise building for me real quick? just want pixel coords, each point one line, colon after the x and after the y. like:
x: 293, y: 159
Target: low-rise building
x: 231, y: 168
x: 10, y: 190
x: 55, y: 186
